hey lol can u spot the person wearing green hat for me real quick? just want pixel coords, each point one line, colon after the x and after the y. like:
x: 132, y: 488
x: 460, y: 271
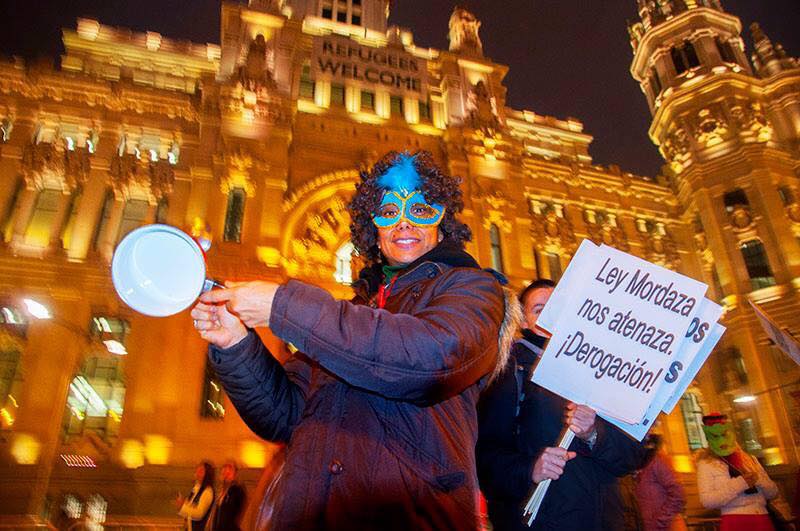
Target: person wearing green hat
x: 733, y: 481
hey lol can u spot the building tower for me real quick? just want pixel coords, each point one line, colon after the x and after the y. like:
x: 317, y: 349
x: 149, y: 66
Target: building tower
x: 728, y: 131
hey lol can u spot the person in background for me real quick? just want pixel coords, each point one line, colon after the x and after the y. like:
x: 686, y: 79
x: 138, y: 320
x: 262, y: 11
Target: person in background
x: 196, y: 506
x: 378, y: 407
x: 227, y: 510
x: 659, y: 493
x: 519, y: 424
x: 733, y: 481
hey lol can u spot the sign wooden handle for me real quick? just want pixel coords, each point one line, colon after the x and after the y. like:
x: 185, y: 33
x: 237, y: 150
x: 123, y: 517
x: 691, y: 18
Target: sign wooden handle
x: 535, y: 501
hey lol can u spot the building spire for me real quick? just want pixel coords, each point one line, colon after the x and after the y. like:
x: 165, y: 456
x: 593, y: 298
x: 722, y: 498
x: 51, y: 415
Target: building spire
x: 767, y: 58
x: 463, y: 33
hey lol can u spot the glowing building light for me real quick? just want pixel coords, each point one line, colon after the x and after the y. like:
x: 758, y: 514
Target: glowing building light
x: 90, y: 146
x: 157, y: 449
x: 683, y: 464
x: 96, y: 507
x: 70, y: 143
x: 72, y: 506
x: 115, y: 347
x: 7, y: 417
x: 37, y: 309
x: 132, y: 453
x: 25, y: 449
x: 744, y: 399
x: 253, y: 454
x: 153, y: 155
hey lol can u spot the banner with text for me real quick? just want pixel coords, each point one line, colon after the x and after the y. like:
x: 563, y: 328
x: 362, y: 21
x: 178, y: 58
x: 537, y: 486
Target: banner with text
x: 342, y: 60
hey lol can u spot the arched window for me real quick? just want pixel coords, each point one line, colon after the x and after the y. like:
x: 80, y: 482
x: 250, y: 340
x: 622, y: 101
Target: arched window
x: 213, y: 396
x: 786, y: 195
x: 12, y: 341
x: 693, y: 421
x: 97, y: 393
x: 497, y: 249
x: 133, y: 215
x: 306, y: 83
x: 344, y: 260
x: 726, y: 51
x: 43, y: 217
x: 757, y: 264
x: 734, y: 198
x: 684, y: 57
x: 234, y: 215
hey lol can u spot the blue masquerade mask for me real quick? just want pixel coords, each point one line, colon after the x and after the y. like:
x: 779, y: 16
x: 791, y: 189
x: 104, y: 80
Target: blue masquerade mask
x: 403, y: 198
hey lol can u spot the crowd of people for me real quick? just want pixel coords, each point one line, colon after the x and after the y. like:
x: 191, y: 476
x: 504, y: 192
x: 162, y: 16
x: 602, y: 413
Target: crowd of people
x: 405, y: 403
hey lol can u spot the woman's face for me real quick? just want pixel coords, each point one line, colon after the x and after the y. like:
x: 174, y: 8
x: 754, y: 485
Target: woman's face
x: 200, y: 473
x: 404, y: 243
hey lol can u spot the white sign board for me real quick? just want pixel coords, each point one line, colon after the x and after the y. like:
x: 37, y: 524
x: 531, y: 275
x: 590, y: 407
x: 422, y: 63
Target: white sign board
x: 622, y: 321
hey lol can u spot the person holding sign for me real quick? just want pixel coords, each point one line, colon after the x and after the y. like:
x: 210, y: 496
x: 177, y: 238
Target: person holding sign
x: 520, y: 424
x: 378, y: 407
x: 733, y: 481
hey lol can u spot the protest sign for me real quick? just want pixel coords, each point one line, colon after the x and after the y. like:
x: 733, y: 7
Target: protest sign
x: 780, y: 336
x: 617, y: 332
x: 700, y: 339
x: 571, y: 278
x: 609, y: 309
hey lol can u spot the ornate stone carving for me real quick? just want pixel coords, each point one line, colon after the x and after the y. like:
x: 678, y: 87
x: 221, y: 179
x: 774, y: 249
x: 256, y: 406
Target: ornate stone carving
x: 740, y: 216
x: 608, y: 234
x: 100, y: 94
x: 254, y: 74
x: 659, y: 247
x: 676, y: 148
x: 464, y: 33
x: 313, y: 248
x: 269, y: 6
x: 132, y: 175
x: 50, y: 165
x: 793, y: 211
x: 238, y: 166
x: 749, y: 118
x: 711, y: 127
x: 551, y: 229
x: 483, y: 109
x: 497, y: 204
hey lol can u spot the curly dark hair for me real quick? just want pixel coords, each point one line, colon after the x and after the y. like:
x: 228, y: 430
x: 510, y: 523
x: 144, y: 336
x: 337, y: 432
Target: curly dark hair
x: 437, y: 187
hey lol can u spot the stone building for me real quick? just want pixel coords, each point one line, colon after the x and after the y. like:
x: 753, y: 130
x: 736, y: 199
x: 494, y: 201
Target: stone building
x: 256, y: 143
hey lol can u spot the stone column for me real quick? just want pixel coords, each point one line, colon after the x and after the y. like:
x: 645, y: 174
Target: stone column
x: 22, y: 215
x: 108, y: 237
x: 51, y: 358
x: 88, y: 216
x: 59, y: 220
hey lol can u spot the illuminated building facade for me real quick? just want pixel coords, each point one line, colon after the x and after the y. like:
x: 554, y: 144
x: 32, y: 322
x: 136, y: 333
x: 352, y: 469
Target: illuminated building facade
x: 256, y: 144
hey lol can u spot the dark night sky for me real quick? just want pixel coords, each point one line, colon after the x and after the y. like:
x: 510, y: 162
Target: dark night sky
x: 566, y: 57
